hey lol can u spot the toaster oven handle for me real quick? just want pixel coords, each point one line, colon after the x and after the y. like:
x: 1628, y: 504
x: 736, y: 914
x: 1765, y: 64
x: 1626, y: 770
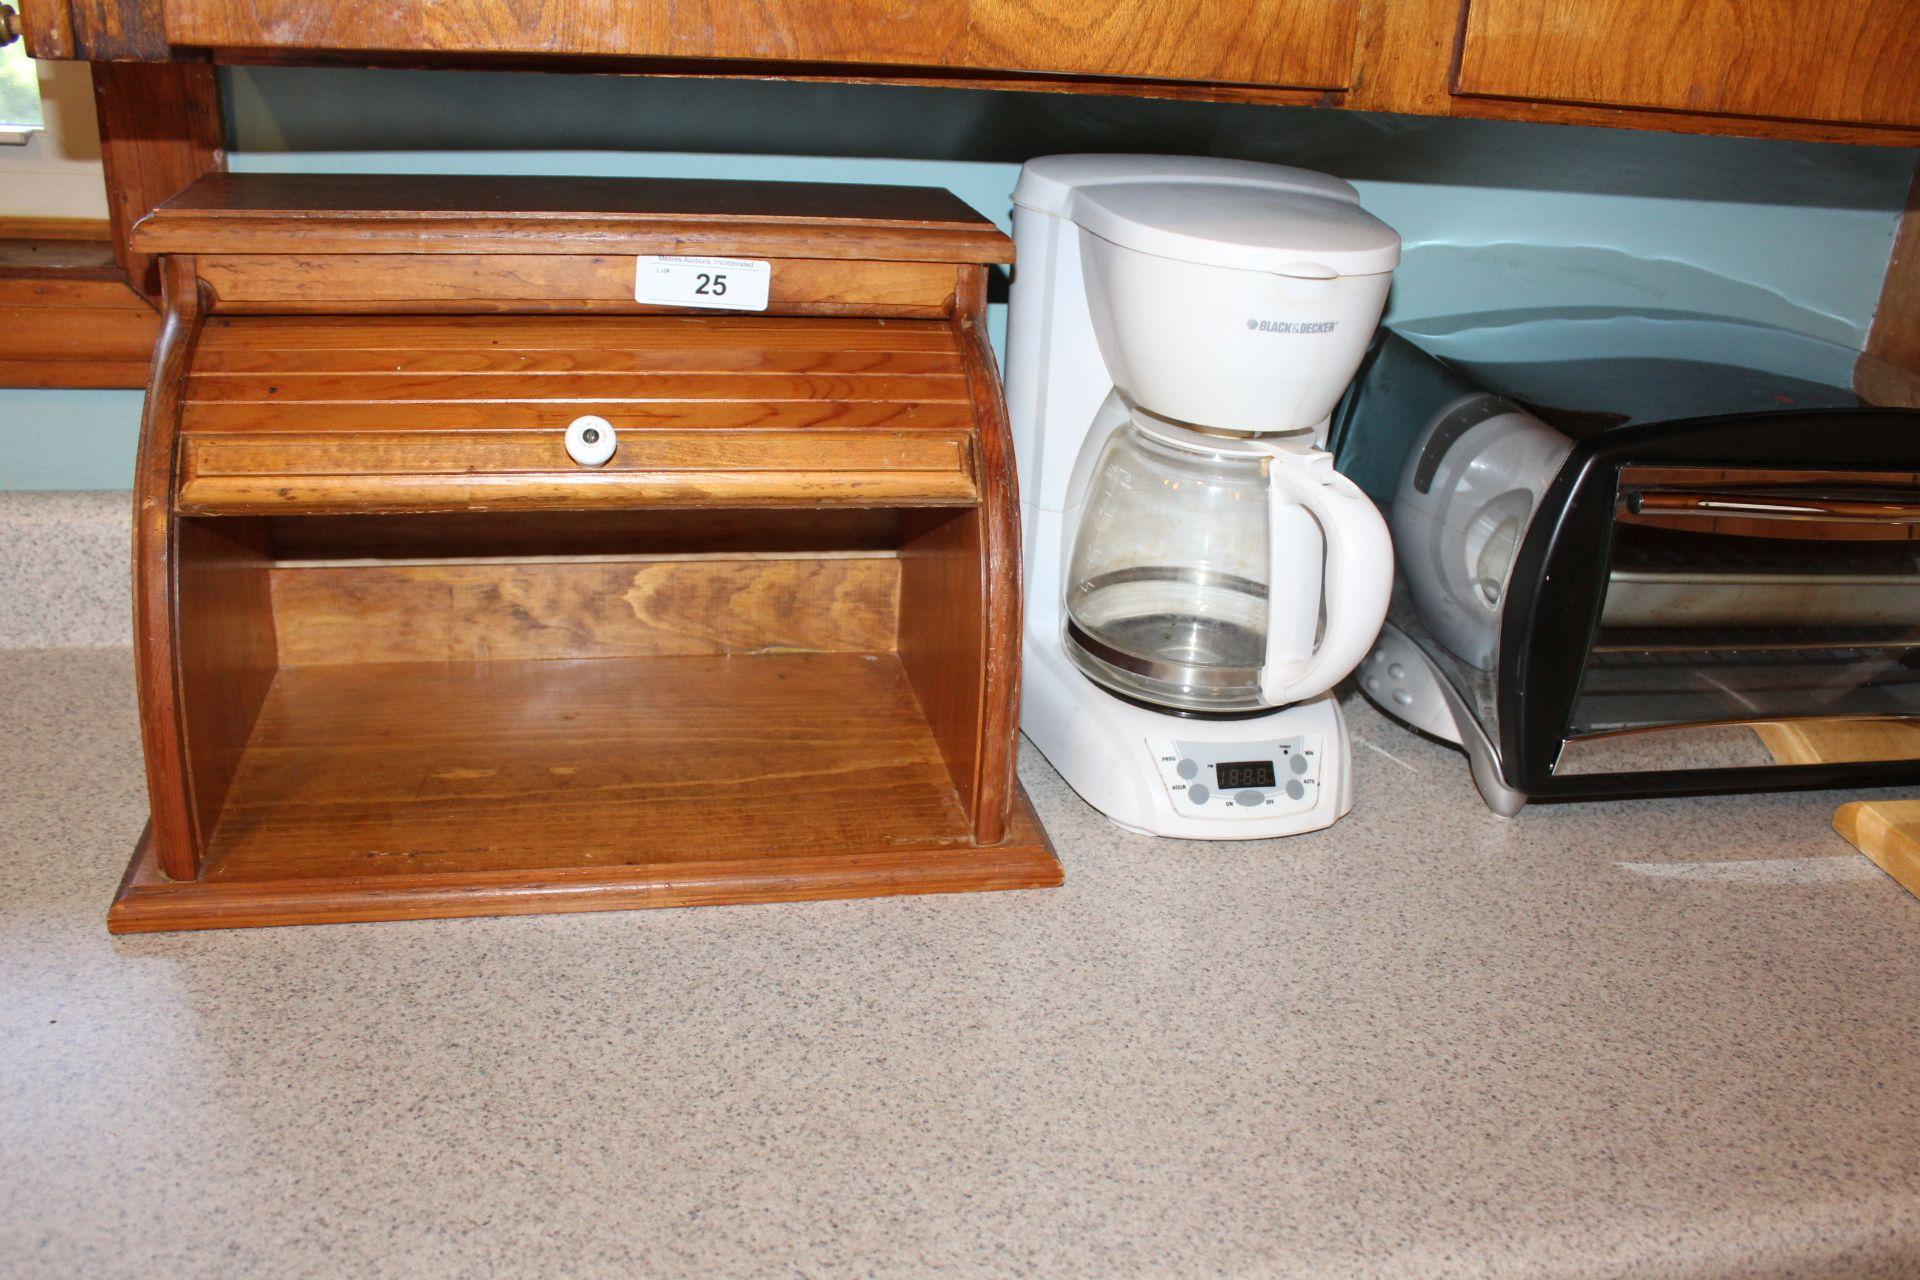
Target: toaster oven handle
x: 1714, y: 503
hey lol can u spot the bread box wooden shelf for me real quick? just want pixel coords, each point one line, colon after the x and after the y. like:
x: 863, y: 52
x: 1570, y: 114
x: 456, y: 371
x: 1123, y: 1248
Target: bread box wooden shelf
x: 402, y: 656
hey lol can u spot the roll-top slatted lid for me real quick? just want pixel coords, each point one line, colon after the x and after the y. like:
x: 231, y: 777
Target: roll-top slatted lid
x: 302, y: 415
x: 388, y: 213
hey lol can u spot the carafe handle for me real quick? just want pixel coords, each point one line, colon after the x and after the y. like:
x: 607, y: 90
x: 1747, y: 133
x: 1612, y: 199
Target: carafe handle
x: 1355, y: 582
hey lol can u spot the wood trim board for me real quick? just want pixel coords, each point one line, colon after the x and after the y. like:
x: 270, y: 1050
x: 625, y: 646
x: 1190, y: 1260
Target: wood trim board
x: 78, y: 305
x: 465, y: 214
x: 69, y: 317
x: 149, y: 902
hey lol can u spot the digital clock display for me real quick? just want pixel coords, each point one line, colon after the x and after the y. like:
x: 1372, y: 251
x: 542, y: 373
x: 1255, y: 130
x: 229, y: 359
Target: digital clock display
x: 1236, y: 775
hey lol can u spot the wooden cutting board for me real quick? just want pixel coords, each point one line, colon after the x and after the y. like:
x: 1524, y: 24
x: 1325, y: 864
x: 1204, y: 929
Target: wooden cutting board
x: 1887, y: 831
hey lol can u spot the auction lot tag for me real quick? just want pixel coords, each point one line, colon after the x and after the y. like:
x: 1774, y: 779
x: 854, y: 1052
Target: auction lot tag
x: 733, y: 284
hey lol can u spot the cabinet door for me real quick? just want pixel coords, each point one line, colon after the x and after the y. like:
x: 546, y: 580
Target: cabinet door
x: 1294, y: 43
x: 1849, y: 61
x: 1297, y: 43
x: 908, y: 32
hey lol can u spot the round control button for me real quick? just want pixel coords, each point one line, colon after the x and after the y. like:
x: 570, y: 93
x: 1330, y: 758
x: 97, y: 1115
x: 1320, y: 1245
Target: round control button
x: 1397, y: 671
x: 1187, y: 769
x: 1249, y: 798
x: 1295, y: 790
x: 591, y: 440
x: 1300, y: 764
x: 1402, y: 697
x: 1373, y: 683
x: 1198, y: 793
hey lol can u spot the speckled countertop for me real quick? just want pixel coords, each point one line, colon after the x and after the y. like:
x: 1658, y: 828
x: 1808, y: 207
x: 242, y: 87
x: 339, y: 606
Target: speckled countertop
x: 1677, y: 1038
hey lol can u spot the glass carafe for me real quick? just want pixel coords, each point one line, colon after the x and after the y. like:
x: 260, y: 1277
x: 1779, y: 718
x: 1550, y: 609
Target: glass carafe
x: 1221, y: 573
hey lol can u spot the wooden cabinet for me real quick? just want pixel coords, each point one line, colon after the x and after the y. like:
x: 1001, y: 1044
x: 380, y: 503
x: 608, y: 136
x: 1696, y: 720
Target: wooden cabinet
x: 1301, y: 43
x: 1259, y: 42
x: 845, y: 31
x: 1839, y: 70
x: 1852, y: 61
x: 1824, y: 70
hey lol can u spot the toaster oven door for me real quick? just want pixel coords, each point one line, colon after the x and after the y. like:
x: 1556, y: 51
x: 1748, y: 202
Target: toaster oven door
x: 1752, y: 617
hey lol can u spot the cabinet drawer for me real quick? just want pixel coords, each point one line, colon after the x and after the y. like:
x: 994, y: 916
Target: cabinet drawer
x: 1846, y: 61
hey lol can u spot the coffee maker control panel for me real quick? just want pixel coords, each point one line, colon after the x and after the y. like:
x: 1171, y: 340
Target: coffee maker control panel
x: 1257, y: 778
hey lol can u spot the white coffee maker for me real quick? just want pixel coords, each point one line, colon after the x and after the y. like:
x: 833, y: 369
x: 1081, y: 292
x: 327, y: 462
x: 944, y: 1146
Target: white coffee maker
x: 1197, y: 574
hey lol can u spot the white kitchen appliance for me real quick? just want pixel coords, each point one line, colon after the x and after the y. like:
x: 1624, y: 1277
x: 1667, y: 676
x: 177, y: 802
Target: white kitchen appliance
x: 1198, y: 575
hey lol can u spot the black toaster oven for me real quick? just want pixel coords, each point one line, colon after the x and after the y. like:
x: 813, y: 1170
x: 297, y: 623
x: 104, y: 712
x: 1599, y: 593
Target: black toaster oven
x: 1642, y: 575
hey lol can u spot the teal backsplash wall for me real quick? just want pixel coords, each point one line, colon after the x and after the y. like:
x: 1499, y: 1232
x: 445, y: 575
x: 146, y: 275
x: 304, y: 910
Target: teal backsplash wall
x: 1500, y: 220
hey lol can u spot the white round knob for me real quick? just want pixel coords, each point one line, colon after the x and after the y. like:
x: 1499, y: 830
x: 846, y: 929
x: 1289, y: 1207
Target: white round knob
x: 590, y: 440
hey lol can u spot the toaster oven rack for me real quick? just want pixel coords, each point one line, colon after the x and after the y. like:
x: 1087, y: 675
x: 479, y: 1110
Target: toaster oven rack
x: 1703, y: 554
x: 1654, y: 646
x: 1638, y: 681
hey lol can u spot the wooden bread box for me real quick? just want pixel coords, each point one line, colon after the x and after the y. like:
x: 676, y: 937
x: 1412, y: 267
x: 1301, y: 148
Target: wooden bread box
x: 402, y: 656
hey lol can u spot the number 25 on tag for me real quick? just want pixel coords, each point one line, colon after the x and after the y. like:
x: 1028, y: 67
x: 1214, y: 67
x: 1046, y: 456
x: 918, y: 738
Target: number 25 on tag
x: 731, y: 284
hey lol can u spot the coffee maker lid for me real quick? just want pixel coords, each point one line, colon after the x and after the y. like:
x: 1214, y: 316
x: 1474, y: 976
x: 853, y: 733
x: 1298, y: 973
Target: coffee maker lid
x: 1228, y: 213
